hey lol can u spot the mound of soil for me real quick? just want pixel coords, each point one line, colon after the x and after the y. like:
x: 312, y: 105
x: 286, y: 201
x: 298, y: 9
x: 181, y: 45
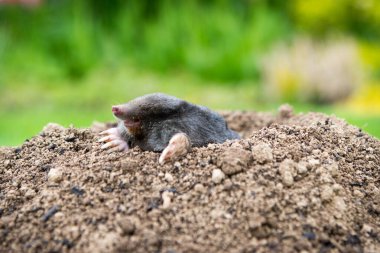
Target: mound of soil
x: 295, y: 183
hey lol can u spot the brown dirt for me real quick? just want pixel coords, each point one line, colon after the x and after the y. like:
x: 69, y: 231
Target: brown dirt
x: 305, y: 183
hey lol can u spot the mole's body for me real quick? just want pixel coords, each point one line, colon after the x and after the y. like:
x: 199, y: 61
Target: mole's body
x: 158, y: 122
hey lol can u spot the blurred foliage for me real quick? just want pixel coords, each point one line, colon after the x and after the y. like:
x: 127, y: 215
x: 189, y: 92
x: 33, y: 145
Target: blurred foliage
x: 322, y: 17
x: 216, y: 39
x: 366, y: 100
x: 312, y: 72
x: 71, y: 37
x: 68, y: 61
x: 370, y: 55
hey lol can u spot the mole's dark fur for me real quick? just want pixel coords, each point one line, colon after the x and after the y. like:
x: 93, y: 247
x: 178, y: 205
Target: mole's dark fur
x: 161, y: 116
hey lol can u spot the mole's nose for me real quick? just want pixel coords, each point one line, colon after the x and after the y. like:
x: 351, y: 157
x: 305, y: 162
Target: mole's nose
x: 115, y: 109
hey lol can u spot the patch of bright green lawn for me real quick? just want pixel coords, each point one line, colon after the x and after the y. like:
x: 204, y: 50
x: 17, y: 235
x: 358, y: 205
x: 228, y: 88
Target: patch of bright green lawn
x: 369, y: 124
x: 27, y: 106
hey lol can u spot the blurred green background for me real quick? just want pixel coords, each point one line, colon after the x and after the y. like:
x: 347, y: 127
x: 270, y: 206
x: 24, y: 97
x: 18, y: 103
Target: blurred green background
x: 69, y: 61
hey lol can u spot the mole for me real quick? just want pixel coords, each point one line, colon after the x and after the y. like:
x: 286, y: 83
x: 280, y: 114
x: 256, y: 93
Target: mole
x: 163, y: 123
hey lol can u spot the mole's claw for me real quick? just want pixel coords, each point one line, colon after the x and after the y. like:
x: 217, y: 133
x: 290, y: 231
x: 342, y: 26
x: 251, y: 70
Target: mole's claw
x: 105, y: 132
x: 105, y: 146
x: 178, y: 146
x: 111, y: 144
x: 118, y: 145
x: 111, y: 131
x: 113, y: 140
x: 104, y: 139
x: 119, y: 148
x: 109, y: 138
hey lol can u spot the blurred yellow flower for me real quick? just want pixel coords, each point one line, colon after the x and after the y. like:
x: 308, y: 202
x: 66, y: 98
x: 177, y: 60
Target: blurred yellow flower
x: 307, y: 71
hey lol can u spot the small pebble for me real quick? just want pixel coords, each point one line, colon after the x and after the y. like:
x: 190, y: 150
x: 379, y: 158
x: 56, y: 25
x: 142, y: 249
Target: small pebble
x: 285, y: 111
x: 16, y: 183
x: 51, y: 127
x: 199, y: 188
x: 59, y: 215
x: 287, y: 178
x: 168, y: 177
x: 325, y: 177
x: 121, y: 208
x: 327, y: 193
x: 287, y: 169
x: 358, y: 193
x: 70, y: 138
x: 127, y: 226
x: 340, y: 204
x: 279, y: 186
x: 313, y: 163
x: 30, y: 193
x: 301, y: 168
x: 218, y: 213
x: 334, y: 169
x: 367, y: 229
x: 77, y: 191
x: 177, y: 165
x: 337, y: 188
x: 234, y: 160
x: 166, y: 199
x: 217, y: 176
x: 262, y: 153
x: 55, y: 175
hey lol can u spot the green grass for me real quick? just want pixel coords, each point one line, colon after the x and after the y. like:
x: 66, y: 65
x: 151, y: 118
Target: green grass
x: 74, y: 59
x: 369, y: 124
x: 27, y: 104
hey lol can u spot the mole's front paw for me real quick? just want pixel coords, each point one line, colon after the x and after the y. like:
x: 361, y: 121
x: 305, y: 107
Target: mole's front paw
x: 178, y: 146
x: 113, y: 140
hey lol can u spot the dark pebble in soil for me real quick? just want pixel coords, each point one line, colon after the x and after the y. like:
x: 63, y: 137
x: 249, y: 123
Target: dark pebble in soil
x: 5, y: 232
x: 50, y: 213
x: 123, y: 185
x: 359, y: 184
x: 308, y: 232
x: 360, y: 134
x: 153, y: 204
x: 17, y: 150
x: 326, y: 246
x: 69, y: 244
x: 352, y: 240
x: 61, y: 151
x: 309, y: 235
x: 45, y: 167
x: 77, y: 191
x: 52, y: 146
x: 107, y: 189
x: 70, y: 139
x: 11, y: 209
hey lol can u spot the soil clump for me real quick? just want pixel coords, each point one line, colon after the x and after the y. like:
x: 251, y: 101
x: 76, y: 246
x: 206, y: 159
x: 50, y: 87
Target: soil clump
x: 294, y: 183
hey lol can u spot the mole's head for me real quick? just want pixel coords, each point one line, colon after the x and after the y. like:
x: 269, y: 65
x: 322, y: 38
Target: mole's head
x: 152, y: 107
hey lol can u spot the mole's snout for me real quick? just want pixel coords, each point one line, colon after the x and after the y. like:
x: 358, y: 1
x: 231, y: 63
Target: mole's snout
x: 115, y: 109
